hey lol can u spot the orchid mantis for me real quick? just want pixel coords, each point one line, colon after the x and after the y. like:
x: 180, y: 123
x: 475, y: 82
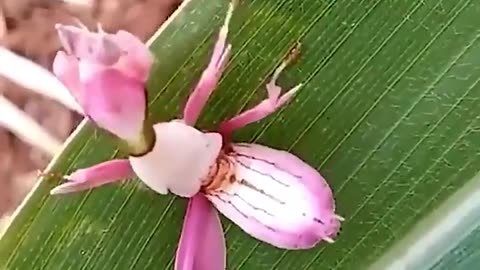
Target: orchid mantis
x: 271, y: 194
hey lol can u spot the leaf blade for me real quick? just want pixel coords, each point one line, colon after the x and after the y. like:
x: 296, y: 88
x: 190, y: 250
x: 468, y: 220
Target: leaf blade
x: 388, y: 115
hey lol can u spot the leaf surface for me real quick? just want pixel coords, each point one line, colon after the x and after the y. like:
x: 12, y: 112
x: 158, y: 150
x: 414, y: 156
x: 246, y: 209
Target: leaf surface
x: 388, y: 115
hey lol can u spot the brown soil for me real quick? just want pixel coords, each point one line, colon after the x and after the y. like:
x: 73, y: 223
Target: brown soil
x: 26, y: 27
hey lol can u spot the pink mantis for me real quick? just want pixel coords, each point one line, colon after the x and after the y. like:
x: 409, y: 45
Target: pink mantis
x: 272, y: 195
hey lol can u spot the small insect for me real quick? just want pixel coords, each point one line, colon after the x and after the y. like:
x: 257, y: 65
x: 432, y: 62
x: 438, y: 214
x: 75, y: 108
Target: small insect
x: 271, y: 194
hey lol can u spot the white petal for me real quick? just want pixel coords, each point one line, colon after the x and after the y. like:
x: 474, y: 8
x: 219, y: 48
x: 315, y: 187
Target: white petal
x: 180, y: 159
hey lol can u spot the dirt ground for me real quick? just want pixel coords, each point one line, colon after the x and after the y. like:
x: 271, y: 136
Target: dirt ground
x: 26, y: 27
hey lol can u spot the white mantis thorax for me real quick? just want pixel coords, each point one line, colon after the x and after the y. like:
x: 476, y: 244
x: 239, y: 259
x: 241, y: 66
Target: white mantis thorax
x: 179, y: 160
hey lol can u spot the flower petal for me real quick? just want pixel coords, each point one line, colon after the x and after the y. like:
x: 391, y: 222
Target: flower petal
x: 97, y: 175
x: 138, y: 60
x: 202, y: 243
x: 116, y: 103
x: 277, y: 198
x: 180, y: 159
x: 65, y: 67
x: 86, y: 45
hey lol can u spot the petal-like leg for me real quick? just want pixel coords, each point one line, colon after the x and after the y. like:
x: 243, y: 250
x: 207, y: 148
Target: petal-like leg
x: 65, y: 67
x: 98, y: 47
x: 202, y: 243
x: 265, y: 107
x: 211, y: 75
x: 139, y: 59
x: 97, y: 175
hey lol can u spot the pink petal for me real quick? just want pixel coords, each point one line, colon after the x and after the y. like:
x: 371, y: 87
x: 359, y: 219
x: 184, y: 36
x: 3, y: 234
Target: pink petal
x: 116, y: 103
x: 202, y: 243
x: 277, y: 198
x: 65, y: 68
x: 139, y: 59
x: 97, y: 175
x: 107, y: 51
x: 211, y: 75
x: 66, y: 34
x: 86, y: 45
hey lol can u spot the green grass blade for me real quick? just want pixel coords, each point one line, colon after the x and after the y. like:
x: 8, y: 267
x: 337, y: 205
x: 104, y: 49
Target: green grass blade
x: 388, y: 114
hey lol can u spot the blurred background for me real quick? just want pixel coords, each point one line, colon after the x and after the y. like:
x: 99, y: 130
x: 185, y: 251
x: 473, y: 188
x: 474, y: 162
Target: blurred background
x: 27, y: 29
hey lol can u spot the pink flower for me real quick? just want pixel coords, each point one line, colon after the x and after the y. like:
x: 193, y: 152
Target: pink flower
x: 106, y: 74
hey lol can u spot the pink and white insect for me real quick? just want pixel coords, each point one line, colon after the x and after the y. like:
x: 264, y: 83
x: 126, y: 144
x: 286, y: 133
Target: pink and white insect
x: 272, y: 195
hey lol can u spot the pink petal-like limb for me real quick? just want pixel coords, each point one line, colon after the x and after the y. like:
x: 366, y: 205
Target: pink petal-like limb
x: 202, y: 243
x: 65, y: 68
x: 95, y: 47
x: 97, y: 175
x: 211, y: 75
x: 138, y: 60
x: 276, y: 197
x: 116, y: 103
x: 264, y: 108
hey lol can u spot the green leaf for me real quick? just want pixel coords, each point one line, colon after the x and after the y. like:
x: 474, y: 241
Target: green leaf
x: 389, y: 115
x: 446, y: 239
